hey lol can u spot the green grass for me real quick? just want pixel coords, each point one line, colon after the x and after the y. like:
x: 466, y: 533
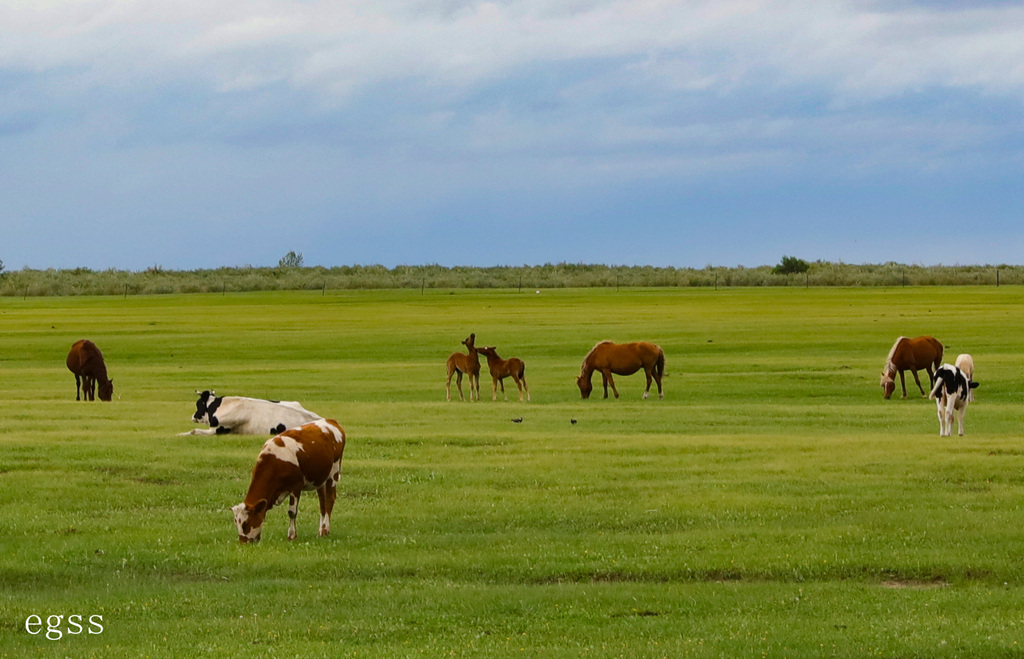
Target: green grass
x: 772, y: 505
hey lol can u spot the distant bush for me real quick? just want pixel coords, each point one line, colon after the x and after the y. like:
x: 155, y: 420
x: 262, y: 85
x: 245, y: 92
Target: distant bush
x: 157, y: 280
x: 790, y: 265
x: 291, y: 260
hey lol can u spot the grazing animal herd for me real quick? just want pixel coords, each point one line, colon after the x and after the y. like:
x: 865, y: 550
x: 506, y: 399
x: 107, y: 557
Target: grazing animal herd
x: 306, y: 449
x: 951, y: 386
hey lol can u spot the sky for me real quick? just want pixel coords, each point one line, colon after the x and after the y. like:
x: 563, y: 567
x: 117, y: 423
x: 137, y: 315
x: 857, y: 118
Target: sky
x: 194, y: 134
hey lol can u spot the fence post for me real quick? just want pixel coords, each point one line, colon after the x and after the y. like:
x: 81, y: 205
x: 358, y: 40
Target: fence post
x: 997, y: 277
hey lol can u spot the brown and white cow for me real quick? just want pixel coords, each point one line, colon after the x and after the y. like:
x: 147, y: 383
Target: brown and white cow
x: 300, y: 459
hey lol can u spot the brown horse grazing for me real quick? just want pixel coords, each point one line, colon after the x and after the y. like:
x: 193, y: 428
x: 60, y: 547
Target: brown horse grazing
x: 502, y: 368
x: 622, y: 359
x: 462, y: 363
x: 923, y: 352
x: 86, y: 361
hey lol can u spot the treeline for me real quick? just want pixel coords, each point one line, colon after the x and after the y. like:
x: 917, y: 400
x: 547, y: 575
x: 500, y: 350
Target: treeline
x: 156, y: 280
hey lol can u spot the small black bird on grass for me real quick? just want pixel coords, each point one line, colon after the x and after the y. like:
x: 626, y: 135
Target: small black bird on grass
x: 517, y: 420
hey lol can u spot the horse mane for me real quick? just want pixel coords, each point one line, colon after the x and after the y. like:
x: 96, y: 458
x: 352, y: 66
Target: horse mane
x: 890, y: 367
x: 597, y: 345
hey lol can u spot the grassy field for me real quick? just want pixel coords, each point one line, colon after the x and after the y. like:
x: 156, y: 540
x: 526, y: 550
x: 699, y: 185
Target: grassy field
x: 771, y: 505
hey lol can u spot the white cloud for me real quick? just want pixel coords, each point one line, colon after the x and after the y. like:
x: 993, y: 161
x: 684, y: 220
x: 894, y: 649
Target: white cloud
x: 340, y: 48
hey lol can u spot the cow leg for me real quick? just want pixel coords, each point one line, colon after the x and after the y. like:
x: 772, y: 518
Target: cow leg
x: 959, y: 421
x: 200, y: 431
x: 327, y: 495
x: 293, y: 513
x: 947, y: 418
x: 942, y: 416
x: 918, y: 381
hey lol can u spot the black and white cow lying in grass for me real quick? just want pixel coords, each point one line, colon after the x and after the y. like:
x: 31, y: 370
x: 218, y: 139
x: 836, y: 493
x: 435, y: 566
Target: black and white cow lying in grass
x: 247, y: 416
x: 951, y: 393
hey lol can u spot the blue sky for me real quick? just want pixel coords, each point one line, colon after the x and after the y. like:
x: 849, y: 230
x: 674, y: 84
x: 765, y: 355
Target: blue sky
x: 191, y: 134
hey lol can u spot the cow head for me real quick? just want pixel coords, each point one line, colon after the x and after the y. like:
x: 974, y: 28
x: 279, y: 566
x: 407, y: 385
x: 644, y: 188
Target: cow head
x: 106, y: 390
x: 585, y: 386
x: 249, y: 521
x: 205, y: 408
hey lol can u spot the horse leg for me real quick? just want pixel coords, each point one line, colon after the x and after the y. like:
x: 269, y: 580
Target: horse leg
x: 88, y: 388
x: 526, y: 387
x: 458, y: 381
x: 494, y: 388
x: 647, y: 391
x: 610, y: 381
x: 903, y: 384
x: 918, y: 381
x: 448, y: 384
x: 78, y: 387
x: 519, y: 386
x: 501, y: 381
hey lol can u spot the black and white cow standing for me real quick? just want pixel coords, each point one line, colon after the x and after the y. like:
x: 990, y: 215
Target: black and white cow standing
x: 247, y: 416
x: 951, y: 393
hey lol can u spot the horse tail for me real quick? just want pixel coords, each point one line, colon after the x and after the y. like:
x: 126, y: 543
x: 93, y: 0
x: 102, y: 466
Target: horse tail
x: 522, y: 371
x: 659, y: 365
